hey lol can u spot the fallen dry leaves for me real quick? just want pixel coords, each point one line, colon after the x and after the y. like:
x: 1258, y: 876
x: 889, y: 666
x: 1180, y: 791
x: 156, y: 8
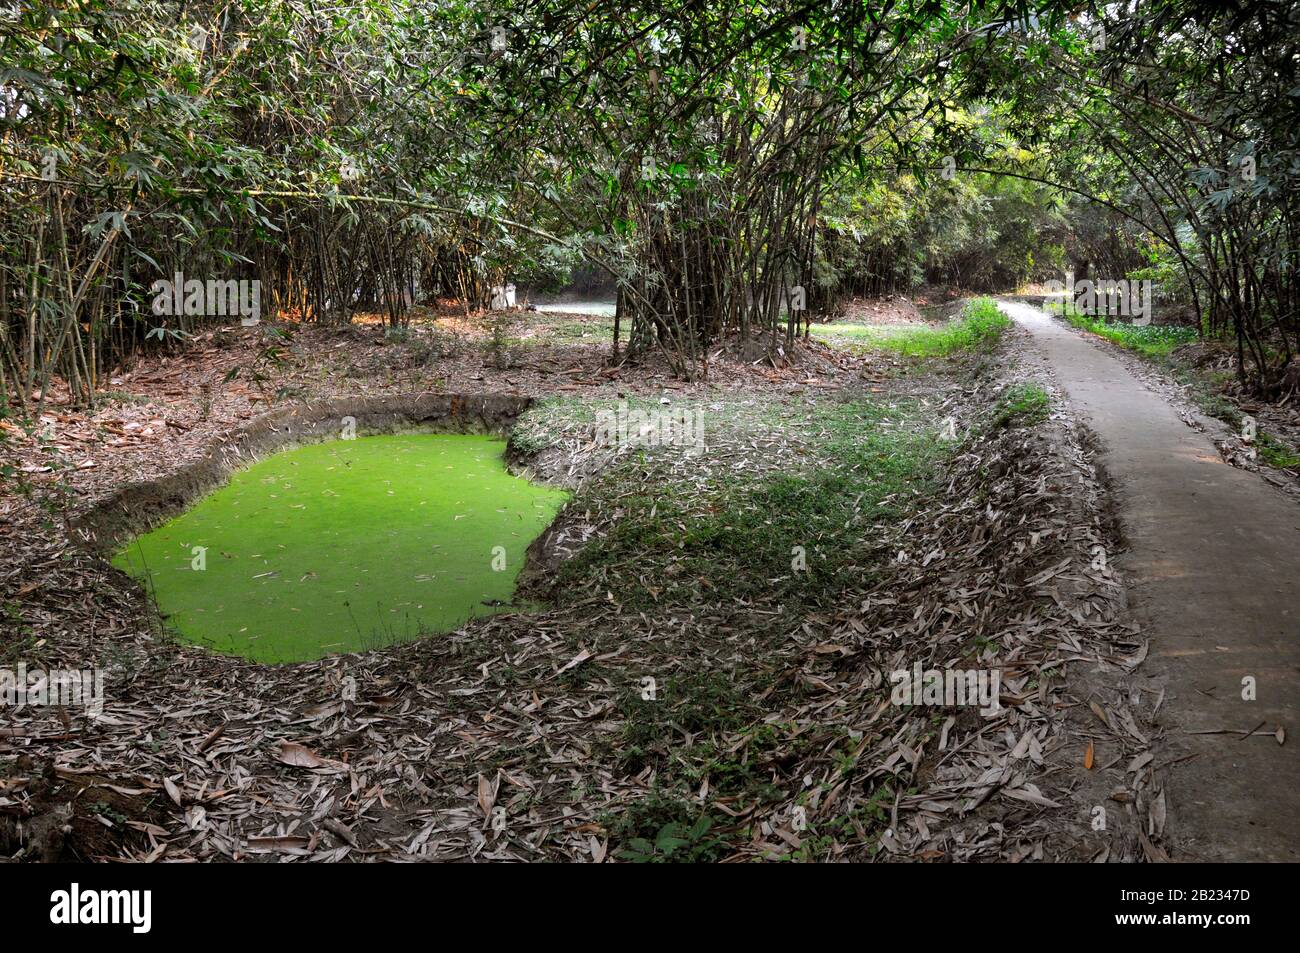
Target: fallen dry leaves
x: 514, y: 716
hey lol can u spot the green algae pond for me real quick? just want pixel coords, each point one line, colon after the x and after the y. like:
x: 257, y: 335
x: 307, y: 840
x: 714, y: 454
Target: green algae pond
x: 345, y: 546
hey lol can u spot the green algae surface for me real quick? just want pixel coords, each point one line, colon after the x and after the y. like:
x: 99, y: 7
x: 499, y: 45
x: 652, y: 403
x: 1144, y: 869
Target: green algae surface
x: 345, y: 546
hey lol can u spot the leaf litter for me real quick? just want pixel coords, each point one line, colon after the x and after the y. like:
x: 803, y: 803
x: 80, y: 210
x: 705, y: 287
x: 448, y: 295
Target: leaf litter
x: 510, y: 739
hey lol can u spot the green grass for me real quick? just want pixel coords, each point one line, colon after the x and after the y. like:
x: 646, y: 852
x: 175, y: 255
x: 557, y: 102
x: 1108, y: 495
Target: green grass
x: 979, y: 327
x: 1276, y: 453
x: 1022, y: 405
x: 1151, y: 340
x: 537, y: 333
x: 868, y: 458
x: 594, y: 330
x: 344, y: 546
x: 696, y: 701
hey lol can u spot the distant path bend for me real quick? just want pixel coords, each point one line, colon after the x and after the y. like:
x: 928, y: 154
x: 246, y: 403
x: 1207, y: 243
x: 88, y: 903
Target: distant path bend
x: 1213, y: 573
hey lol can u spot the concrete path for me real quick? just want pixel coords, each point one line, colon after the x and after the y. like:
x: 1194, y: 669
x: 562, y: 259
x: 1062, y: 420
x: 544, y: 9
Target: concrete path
x: 1213, y: 573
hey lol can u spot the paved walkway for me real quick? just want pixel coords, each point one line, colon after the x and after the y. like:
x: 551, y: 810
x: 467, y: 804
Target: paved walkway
x: 1213, y: 573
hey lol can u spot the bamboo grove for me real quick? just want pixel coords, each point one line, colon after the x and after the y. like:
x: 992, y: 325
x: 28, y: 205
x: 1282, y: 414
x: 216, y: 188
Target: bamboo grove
x: 733, y: 168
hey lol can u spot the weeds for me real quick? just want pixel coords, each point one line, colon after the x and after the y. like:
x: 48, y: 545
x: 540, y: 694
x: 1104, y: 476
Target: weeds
x: 1276, y: 453
x: 661, y: 829
x: 669, y: 843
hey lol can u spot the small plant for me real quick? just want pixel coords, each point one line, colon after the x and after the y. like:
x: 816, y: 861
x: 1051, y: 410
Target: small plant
x: 675, y: 842
x: 105, y: 810
x: 270, y: 360
x: 703, y: 703
x: 19, y: 636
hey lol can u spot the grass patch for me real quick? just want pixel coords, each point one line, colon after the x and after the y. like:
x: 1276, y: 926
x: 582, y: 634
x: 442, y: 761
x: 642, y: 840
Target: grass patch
x: 593, y: 331
x: 979, y: 328
x: 1276, y: 453
x: 1151, y: 340
x: 1022, y: 405
x: 742, y: 544
x: 698, y: 703
x: 794, y: 537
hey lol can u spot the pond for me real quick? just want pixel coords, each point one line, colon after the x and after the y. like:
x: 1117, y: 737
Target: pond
x: 345, y: 546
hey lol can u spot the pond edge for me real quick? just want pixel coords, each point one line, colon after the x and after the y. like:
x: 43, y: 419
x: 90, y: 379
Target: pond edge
x: 139, y: 507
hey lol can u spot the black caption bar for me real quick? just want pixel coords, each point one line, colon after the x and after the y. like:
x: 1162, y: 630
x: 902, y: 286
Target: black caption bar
x: 134, y: 905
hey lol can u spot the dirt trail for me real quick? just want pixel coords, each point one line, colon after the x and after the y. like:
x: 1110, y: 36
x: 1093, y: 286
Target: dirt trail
x: 1213, y: 572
